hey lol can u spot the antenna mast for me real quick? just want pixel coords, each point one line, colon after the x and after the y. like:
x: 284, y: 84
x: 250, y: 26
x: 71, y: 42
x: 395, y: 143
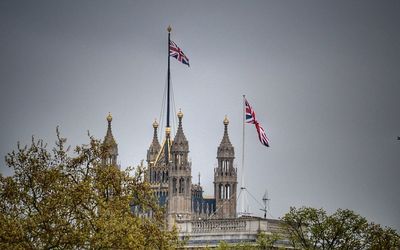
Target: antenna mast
x: 265, y: 200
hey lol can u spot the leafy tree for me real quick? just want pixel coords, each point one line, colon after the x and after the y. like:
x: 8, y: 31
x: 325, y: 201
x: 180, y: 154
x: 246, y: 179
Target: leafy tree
x: 311, y: 228
x: 242, y: 246
x: 58, y: 201
x: 223, y: 245
x: 264, y: 241
x: 267, y: 241
x: 382, y: 238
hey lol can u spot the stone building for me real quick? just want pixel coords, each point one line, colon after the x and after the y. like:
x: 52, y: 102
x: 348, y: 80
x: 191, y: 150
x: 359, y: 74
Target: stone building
x: 169, y: 172
x: 225, y: 177
x: 203, y: 221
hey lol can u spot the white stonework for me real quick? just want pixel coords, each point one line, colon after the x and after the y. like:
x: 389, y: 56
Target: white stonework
x: 210, y: 232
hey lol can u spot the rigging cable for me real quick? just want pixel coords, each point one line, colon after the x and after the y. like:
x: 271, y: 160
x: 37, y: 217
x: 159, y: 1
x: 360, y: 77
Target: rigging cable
x: 161, y: 117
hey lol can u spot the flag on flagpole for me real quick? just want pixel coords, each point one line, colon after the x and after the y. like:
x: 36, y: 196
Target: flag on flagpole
x: 251, y: 118
x: 177, y: 53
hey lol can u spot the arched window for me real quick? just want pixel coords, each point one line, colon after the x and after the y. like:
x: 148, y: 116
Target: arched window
x: 188, y: 185
x: 174, y: 186
x: 175, y: 162
x: 181, y: 185
x: 227, y: 191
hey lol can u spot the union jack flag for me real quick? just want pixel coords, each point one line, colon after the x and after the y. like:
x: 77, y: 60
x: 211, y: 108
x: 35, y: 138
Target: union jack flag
x: 176, y: 52
x: 251, y: 118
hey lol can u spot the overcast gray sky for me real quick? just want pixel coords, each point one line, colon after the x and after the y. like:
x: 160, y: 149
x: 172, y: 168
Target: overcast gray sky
x: 323, y: 77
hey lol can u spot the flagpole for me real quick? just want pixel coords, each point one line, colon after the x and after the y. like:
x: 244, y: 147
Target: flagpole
x: 168, y: 128
x: 169, y: 77
x: 242, y: 188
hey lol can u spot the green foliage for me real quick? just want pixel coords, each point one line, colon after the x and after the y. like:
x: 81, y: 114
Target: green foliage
x: 264, y: 241
x: 267, y: 241
x: 223, y: 245
x: 382, y: 238
x: 242, y: 246
x: 59, y: 201
x: 311, y: 228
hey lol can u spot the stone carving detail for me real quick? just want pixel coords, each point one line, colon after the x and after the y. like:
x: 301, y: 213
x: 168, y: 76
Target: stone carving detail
x: 228, y: 225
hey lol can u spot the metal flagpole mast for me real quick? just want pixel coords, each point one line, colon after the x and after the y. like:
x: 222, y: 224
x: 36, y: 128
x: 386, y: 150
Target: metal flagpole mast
x: 242, y: 188
x: 169, y: 76
x: 168, y: 128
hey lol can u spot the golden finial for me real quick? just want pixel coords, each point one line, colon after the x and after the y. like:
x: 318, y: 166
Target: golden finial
x: 109, y: 117
x: 169, y: 29
x: 226, y: 121
x: 180, y: 114
x: 155, y: 123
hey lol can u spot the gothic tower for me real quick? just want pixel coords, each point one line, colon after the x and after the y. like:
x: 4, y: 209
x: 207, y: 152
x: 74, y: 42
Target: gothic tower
x: 180, y: 179
x: 154, y: 146
x: 157, y: 171
x: 110, y: 146
x: 225, y: 178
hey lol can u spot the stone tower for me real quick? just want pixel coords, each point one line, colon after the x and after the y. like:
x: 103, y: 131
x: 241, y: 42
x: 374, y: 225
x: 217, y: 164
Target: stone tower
x: 225, y: 178
x: 180, y: 179
x: 157, y: 171
x: 110, y: 146
x: 155, y: 146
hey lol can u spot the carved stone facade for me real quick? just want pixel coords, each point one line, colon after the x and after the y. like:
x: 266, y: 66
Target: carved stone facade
x: 180, y: 178
x: 110, y: 146
x: 203, y: 221
x: 209, y: 233
x: 170, y: 174
x: 225, y: 178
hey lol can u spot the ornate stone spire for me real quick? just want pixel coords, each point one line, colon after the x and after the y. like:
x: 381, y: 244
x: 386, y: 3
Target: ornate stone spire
x: 225, y: 148
x: 154, y: 146
x: 179, y: 178
x: 110, y: 146
x: 180, y: 143
x: 225, y: 177
x: 109, y: 138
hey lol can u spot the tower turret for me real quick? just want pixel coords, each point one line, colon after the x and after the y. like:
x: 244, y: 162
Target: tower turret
x: 180, y: 179
x: 225, y: 177
x: 180, y: 145
x: 109, y: 145
x: 154, y: 146
x: 157, y: 167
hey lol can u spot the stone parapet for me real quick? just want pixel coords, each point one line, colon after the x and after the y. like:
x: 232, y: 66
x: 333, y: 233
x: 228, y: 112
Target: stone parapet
x: 209, y: 232
x: 218, y: 225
